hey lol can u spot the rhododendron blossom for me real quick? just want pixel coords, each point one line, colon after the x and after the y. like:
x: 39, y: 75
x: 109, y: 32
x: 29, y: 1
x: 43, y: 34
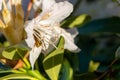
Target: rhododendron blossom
x: 44, y: 31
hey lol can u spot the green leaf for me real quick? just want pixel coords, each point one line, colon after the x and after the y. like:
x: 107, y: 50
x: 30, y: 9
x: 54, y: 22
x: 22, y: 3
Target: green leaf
x: 36, y: 74
x: 87, y: 45
x: 15, y: 52
x: 18, y: 77
x: 111, y: 25
x: 76, y: 21
x: 52, y: 62
x: 67, y: 71
x: 93, y: 66
x: 5, y: 71
x: 117, y: 54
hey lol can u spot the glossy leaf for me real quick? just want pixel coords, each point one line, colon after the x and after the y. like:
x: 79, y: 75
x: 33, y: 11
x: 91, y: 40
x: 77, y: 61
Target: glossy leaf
x: 18, y: 76
x: 111, y: 25
x: 15, y: 52
x: 67, y: 71
x: 52, y: 62
x: 36, y: 74
x: 93, y: 66
x: 76, y: 21
x: 87, y: 45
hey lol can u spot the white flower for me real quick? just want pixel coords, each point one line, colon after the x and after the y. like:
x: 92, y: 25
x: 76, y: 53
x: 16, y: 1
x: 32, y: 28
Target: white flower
x: 44, y: 30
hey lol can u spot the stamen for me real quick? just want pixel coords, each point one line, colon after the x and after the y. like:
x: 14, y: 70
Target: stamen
x: 45, y: 32
x: 43, y: 39
x: 37, y: 42
x: 38, y: 36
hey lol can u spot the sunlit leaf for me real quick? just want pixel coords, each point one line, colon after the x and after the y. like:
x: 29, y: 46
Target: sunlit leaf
x: 36, y: 74
x: 76, y: 21
x: 93, y: 66
x: 4, y: 72
x: 52, y: 62
x: 6, y: 44
x: 15, y: 52
x: 17, y: 77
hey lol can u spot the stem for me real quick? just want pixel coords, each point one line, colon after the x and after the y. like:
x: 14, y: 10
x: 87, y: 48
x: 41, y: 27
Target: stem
x: 36, y: 74
x: 105, y: 73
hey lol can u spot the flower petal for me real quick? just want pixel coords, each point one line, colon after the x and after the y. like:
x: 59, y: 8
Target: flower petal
x: 34, y: 54
x: 57, y: 13
x: 73, y: 31
x: 47, y: 4
x: 37, y: 4
x: 29, y: 31
x: 69, y: 42
x: 60, y: 11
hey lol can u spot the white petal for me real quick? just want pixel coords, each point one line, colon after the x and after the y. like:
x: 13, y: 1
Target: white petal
x: 73, y: 31
x: 34, y: 54
x: 30, y: 42
x: 29, y: 31
x: 47, y: 4
x: 60, y: 11
x: 37, y: 4
x: 69, y: 42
